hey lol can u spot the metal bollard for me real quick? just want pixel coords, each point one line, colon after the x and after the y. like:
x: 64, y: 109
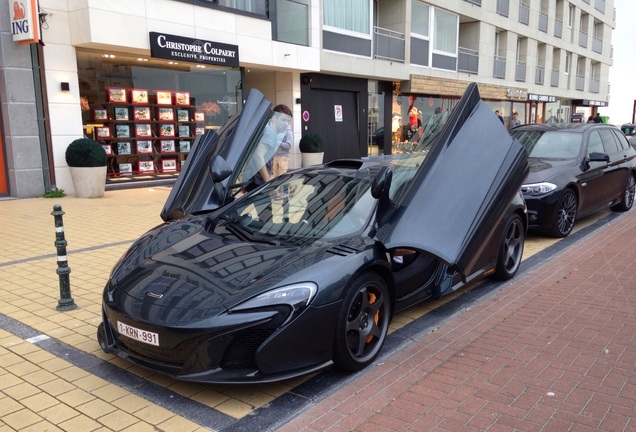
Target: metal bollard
x: 65, y: 302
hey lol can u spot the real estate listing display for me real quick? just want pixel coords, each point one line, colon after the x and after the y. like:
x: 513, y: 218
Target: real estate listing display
x: 139, y: 126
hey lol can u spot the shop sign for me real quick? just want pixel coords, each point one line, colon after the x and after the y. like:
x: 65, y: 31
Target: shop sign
x: 517, y: 93
x: 541, y: 98
x: 587, y: 102
x: 180, y: 48
x: 25, y: 23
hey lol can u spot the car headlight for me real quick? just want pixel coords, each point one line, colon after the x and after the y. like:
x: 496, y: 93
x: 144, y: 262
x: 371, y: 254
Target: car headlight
x: 296, y: 296
x: 538, y: 188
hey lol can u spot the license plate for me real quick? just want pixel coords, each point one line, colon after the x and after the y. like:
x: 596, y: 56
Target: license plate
x: 138, y: 334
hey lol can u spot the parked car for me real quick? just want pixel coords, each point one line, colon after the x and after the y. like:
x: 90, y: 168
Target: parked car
x: 575, y: 170
x: 629, y: 129
x: 307, y: 270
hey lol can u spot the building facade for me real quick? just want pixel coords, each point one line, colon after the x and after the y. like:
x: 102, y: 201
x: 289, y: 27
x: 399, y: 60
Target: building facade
x: 146, y: 77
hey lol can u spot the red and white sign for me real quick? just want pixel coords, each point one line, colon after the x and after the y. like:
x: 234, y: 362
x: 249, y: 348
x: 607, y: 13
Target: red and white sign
x: 25, y: 23
x: 337, y: 109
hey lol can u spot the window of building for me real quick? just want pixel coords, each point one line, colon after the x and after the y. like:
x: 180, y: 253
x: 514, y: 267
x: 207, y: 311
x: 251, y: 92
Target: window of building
x: 570, y: 15
x: 568, y: 59
x: 147, y: 112
x: 446, y: 30
x: 290, y: 21
x: 348, y: 15
x: 258, y: 7
x: 420, y: 18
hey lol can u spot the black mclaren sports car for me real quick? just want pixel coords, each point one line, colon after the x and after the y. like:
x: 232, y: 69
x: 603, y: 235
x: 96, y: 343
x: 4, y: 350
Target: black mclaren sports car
x: 307, y: 270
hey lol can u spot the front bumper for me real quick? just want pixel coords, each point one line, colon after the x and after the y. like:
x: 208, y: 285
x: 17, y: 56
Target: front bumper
x: 256, y: 350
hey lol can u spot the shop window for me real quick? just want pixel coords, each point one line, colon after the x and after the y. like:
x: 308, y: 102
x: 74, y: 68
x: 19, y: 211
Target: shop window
x: 147, y: 112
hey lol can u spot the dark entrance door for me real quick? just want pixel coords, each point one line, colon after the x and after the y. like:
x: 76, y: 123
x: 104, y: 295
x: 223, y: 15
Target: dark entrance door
x: 336, y: 109
x: 337, y: 123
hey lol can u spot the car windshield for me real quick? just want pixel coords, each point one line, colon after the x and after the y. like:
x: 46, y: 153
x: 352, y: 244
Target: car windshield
x: 549, y: 144
x: 297, y: 207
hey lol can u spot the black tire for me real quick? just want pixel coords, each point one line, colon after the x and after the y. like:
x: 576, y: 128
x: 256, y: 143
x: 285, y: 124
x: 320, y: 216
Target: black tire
x: 363, y: 323
x: 510, y: 249
x: 628, y: 195
x: 565, y: 216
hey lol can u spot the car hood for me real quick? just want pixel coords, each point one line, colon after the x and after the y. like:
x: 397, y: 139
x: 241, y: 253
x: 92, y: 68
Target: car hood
x: 183, y: 271
x: 200, y: 185
x: 545, y: 169
x: 463, y: 188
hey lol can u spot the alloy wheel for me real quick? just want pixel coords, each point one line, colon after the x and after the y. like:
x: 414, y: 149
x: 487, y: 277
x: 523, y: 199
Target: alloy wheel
x: 566, y: 214
x: 364, y: 323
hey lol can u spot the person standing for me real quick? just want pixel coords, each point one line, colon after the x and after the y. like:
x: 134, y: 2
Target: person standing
x: 597, y: 118
x: 514, y: 121
x: 259, y: 170
x: 280, y: 161
x: 499, y: 116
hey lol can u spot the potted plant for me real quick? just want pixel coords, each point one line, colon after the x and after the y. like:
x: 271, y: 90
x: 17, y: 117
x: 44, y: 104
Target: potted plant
x: 311, y: 151
x: 87, y: 162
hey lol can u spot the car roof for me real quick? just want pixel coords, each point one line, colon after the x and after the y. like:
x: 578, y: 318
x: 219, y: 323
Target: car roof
x: 566, y: 127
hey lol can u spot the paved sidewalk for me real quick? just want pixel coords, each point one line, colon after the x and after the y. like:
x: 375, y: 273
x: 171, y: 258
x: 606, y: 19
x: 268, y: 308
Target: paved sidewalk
x: 553, y: 351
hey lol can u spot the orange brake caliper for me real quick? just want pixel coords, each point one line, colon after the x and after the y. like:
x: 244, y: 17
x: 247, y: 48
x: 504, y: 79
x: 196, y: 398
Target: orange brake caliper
x: 376, y: 318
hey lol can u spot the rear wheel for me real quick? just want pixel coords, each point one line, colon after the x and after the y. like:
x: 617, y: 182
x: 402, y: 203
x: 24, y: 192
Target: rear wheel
x: 511, y: 249
x: 565, y: 215
x: 628, y: 195
x: 363, y: 323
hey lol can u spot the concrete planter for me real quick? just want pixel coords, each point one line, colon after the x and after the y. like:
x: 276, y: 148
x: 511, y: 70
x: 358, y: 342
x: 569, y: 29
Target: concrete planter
x: 309, y: 159
x: 89, y: 182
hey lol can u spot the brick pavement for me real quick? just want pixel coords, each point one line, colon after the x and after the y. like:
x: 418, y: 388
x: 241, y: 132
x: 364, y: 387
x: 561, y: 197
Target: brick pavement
x: 555, y: 350
x: 492, y: 367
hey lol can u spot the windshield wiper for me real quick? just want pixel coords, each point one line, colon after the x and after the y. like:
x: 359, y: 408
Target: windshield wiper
x: 237, y: 228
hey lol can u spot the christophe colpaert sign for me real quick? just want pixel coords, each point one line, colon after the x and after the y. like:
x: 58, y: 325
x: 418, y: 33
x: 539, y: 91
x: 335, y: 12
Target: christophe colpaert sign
x: 25, y: 23
x: 179, y: 48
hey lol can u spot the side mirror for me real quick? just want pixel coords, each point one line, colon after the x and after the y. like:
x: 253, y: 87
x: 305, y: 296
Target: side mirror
x: 381, y: 181
x: 219, y: 169
x: 380, y: 191
x: 599, y: 157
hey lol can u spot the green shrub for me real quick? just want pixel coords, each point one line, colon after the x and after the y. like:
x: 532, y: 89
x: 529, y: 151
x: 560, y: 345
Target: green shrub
x: 85, y: 152
x: 55, y: 193
x: 310, y: 143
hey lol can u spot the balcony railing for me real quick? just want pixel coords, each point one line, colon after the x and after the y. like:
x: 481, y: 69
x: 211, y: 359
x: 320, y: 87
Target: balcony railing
x: 388, y: 45
x: 543, y: 22
x: 594, y: 85
x: 524, y: 13
x: 580, y: 82
x: 558, y: 28
x: 499, y: 67
x: 539, y: 74
x: 582, y: 39
x: 520, y: 71
x: 468, y: 60
x: 597, y: 45
x: 503, y: 7
x: 554, y: 78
